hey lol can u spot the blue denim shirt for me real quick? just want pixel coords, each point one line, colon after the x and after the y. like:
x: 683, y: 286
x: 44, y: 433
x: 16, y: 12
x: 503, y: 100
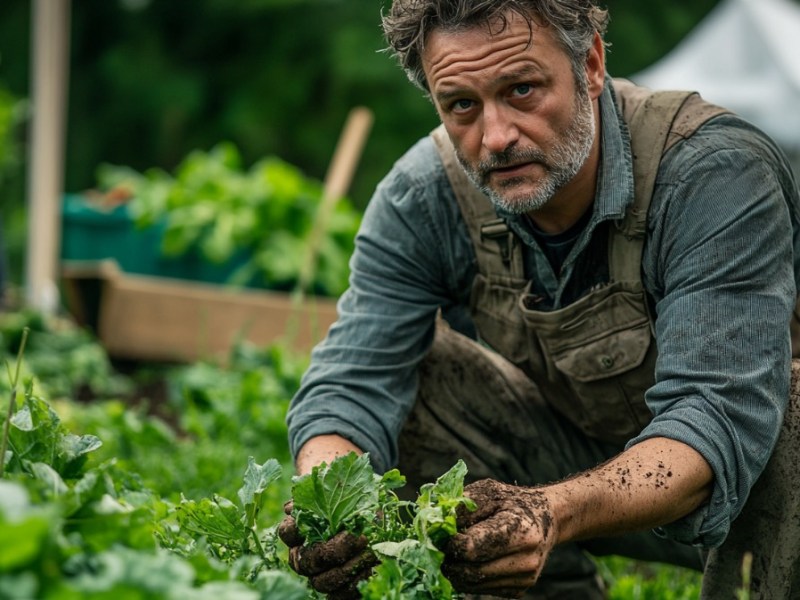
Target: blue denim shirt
x: 721, y: 265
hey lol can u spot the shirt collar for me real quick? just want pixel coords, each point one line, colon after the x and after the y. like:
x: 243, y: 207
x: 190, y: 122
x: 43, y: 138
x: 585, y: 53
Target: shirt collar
x: 615, y: 177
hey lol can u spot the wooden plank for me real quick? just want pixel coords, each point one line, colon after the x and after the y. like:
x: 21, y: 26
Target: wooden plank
x: 162, y: 319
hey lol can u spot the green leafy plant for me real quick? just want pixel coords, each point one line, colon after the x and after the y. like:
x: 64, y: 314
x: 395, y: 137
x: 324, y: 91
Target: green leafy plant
x: 74, y: 527
x: 346, y: 495
x: 146, y: 513
x: 231, y: 531
x: 410, y: 570
x: 258, y: 220
x: 437, y: 504
x: 91, y: 531
x: 33, y: 435
x: 12, y: 406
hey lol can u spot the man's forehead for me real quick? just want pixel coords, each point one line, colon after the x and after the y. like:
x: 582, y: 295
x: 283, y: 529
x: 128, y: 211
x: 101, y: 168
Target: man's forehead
x: 451, y: 51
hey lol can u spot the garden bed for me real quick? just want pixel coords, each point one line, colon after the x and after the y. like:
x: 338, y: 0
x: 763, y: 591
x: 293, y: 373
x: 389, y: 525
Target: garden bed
x: 162, y: 319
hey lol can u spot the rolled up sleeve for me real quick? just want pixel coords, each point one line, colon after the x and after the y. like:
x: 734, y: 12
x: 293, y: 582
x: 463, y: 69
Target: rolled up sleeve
x: 720, y: 263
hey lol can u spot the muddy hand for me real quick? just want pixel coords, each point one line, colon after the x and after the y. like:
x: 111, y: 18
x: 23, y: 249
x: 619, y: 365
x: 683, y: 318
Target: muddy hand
x: 504, y: 543
x: 334, y: 567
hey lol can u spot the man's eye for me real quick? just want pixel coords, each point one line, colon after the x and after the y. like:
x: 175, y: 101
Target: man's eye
x: 523, y: 89
x: 461, y: 105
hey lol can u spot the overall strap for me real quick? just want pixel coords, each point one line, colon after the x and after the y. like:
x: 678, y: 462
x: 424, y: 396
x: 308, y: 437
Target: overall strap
x: 656, y: 121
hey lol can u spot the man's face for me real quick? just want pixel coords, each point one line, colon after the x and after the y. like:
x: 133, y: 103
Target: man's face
x: 521, y: 127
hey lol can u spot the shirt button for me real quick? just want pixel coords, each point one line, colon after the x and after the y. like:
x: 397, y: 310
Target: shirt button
x: 607, y: 361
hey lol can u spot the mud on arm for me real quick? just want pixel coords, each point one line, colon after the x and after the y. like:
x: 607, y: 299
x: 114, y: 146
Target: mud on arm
x: 506, y: 541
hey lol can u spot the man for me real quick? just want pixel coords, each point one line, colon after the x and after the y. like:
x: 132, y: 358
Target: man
x: 631, y: 369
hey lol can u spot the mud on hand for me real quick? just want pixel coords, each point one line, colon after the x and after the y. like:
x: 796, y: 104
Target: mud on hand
x: 504, y: 543
x: 334, y: 567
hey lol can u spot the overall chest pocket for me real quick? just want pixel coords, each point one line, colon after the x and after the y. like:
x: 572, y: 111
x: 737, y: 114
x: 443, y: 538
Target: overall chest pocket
x: 602, y: 361
x: 497, y: 318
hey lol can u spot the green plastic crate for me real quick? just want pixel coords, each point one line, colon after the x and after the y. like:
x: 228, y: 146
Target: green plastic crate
x: 92, y: 233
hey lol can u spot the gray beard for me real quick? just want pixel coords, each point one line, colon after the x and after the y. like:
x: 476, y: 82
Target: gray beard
x: 561, y: 164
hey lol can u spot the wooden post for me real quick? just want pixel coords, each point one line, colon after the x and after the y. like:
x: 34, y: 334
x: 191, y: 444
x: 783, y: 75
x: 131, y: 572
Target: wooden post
x: 337, y: 181
x: 50, y: 51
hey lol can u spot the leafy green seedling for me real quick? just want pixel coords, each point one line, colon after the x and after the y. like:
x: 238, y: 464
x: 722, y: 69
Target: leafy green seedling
x: 257, y: 478
x: 227, y: 528
x: 409, y: 570
x: 437, y: 505
x: 345, y: 495
x: 36, y: 435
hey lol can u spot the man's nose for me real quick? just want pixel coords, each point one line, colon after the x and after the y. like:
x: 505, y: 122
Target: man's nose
x: 499, y: 129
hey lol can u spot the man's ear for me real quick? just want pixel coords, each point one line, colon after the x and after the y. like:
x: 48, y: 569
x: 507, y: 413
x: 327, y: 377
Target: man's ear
x: 596, y: 67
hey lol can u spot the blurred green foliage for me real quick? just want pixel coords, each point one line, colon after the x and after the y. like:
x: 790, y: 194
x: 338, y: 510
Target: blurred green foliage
x: 12, y: 114
x: 152, y: 80
x: 634, y: 580
x: 12, y: 111
x: 150, y: 83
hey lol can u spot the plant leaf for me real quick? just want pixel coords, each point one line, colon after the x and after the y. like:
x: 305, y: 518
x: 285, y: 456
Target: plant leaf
x: 410, y: 570
x: 438, y: 502
x: 220, y: 520
x: 342, y: 495
x: 257, y: 478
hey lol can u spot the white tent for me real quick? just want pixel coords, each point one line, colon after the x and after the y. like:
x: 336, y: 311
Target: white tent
x: 745, y: 55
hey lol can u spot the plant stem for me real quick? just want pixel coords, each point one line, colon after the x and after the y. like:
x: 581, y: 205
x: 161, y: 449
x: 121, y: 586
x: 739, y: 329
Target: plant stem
x: 12, y: 405
x: 743, y: 593
x: 258, y: 545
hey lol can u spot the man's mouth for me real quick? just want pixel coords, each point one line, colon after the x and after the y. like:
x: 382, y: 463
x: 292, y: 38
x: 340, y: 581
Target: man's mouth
x: 515, y: 170
x: 510, y: 168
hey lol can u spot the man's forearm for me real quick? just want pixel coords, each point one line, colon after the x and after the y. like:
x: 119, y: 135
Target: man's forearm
x: 650, y: 484
x: 323, y: 448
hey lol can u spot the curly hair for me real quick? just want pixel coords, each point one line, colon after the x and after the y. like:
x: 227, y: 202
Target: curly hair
x: 409, y: 22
